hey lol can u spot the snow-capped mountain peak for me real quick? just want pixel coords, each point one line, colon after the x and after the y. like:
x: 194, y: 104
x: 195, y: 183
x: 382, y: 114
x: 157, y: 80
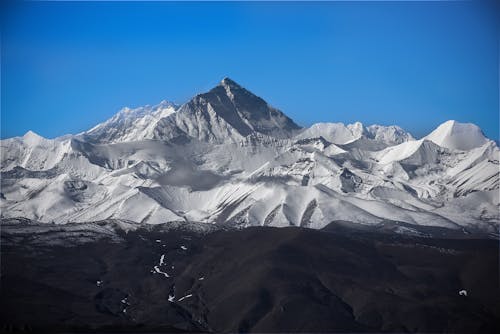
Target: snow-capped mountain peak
x: 459, y: 136
x: 130, y: 124
x: 391, y: 134
x: 228, y: 157
x: 357, y: 128
x: 31, y: 138
x: 357, y: 135
x: 231, y: 87
x: 228, y: 112
x: 337, y: 133
x: 229, y: 83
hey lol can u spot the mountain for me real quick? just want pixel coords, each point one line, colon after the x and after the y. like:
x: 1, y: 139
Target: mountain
x: 32, y: 151
x: 130, y: 124
x: 373, y: 137
x: 416, y: 152
x: 390, y: 135
x: 458, y: 136
x: 336, y: 133
x: 228, y: 112
x: 227, y: 158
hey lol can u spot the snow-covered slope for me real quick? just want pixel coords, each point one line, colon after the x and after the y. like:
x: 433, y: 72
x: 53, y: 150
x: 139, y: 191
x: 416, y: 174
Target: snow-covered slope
x: 336, y: 133
x: 390, y: 135
x: 372, y: 137
x: 33, y: 152
x: 226, y: 157
x: 458, y: 136
x: 130, y: 124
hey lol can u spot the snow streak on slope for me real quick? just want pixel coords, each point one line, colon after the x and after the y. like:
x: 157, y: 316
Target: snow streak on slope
x: 227, y: 158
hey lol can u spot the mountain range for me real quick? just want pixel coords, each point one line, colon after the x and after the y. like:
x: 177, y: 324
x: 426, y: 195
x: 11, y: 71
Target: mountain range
x: 228, y: 158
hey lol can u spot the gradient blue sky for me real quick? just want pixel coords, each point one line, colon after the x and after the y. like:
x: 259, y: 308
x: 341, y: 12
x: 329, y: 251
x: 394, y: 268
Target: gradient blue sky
x: 68, y: 66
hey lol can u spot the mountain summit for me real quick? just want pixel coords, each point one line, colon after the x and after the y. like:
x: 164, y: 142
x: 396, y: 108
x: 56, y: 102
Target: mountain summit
x: 226, y: 112
x: 228, y: 82
x: 459, y: 136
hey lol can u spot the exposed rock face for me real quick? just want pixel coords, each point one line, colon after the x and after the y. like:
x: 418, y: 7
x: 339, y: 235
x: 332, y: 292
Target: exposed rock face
x: 226, y: 113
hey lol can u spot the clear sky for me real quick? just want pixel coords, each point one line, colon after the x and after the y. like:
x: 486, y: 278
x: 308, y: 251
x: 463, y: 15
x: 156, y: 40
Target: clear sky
x: 68, y: 66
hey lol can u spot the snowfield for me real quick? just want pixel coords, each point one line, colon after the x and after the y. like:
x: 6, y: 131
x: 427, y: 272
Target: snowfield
x: 228, y: 158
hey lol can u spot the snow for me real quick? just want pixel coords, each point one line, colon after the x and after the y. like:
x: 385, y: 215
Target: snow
x: 460, y: 136
x: 186, y: 296
x: 204, y: 164
x: 158, y: 271
x: 336, y: 133
x: 162, y: 260
x: 183, y: 247
x: 418, y: 152
x: 33, y: 152
x: 392, y: 134
x: 33, y: 139
x: 463, y: 293
x: 339, y: 133
x: 130, y: 124
x: 171, y: 298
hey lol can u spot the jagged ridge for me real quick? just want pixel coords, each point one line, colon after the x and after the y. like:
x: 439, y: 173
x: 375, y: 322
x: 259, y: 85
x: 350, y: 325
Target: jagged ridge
x: 227, y: 157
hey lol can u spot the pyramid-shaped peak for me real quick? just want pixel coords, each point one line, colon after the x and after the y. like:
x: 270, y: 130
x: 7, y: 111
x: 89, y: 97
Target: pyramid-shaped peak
x: 228, y: 82
x: 31, y: 133
x: 449, y: 123
x: 32, y: 138
x: 455, y: 126
x: 452, y: 125
x: 455, y: 135
x: 242, y: 110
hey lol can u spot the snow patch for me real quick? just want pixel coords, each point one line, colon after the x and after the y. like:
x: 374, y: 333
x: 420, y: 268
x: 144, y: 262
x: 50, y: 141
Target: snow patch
x: 185, y: 297
x: 157, y: 270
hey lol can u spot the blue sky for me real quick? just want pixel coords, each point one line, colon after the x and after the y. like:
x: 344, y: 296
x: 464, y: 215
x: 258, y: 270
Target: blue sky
x: 68, y: 66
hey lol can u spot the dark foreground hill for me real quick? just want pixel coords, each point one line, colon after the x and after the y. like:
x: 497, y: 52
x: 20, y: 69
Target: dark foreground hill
x: 251, y: 280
